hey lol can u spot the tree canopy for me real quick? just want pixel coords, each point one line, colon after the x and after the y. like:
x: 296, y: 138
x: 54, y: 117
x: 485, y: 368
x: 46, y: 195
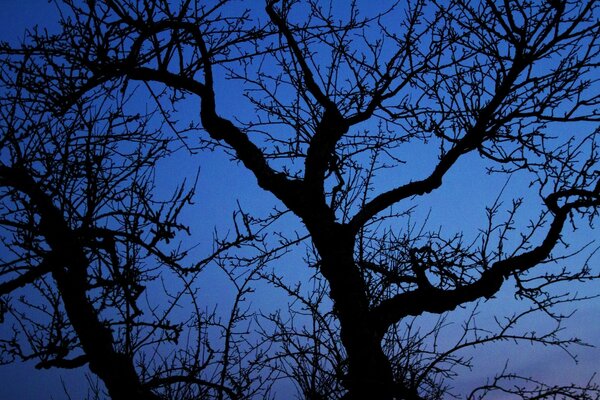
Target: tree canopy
x: 350, y: 116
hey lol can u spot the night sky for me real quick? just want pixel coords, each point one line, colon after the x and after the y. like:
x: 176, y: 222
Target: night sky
x: 466, y: 192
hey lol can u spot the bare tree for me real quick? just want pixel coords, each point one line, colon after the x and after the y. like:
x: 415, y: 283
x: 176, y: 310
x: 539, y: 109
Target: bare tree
x: 339, y: 99
x: 87, y: 239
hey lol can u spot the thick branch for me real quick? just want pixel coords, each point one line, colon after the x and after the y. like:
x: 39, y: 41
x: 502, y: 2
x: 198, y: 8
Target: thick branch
x: 434, y: 300
x: 25, y: 278
x: 65, y: 363
x: 309, y: 79
x: 330, y: 129
x: 221, y: 129
x: 69, y: 269
x: 472, y: 140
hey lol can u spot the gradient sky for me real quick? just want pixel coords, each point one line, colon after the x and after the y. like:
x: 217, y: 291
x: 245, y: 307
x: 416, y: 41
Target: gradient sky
x: 463, y: 193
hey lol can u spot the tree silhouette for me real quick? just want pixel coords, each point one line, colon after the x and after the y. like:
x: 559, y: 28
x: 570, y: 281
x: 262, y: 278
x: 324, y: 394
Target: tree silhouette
x: 339, y: 98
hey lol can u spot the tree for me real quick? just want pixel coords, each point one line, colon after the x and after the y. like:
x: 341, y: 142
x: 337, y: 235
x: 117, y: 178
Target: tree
x: 339, y: 100
x: 84, y: 229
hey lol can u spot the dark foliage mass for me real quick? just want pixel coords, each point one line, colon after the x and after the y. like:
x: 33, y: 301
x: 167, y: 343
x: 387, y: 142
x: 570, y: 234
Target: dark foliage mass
x: 334, y: 100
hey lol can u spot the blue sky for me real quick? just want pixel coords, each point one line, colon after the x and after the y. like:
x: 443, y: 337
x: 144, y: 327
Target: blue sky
x: 459, y: 205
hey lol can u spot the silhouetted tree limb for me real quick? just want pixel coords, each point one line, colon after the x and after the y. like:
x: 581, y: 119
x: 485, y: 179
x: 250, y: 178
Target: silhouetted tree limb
x: 337, y: 101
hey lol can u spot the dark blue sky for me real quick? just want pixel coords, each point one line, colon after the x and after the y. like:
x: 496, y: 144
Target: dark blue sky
x: 466, y: 192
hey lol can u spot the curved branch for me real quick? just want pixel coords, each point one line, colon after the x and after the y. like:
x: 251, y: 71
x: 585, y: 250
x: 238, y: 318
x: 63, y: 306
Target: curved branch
x: 69, y: 269
x: 221, y: 129
x: 309, y: 79
x: 475, y: 136
x: 26, y: 278
x: 434, y: 300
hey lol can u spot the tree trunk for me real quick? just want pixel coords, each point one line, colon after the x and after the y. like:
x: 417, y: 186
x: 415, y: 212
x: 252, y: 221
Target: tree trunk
x: 69, y: 265
x: 116, y: 370
x: 369, y: 371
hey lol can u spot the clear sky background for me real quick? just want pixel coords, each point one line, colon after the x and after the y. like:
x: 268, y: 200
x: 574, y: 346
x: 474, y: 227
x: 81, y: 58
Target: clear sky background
x: 459, y: 205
